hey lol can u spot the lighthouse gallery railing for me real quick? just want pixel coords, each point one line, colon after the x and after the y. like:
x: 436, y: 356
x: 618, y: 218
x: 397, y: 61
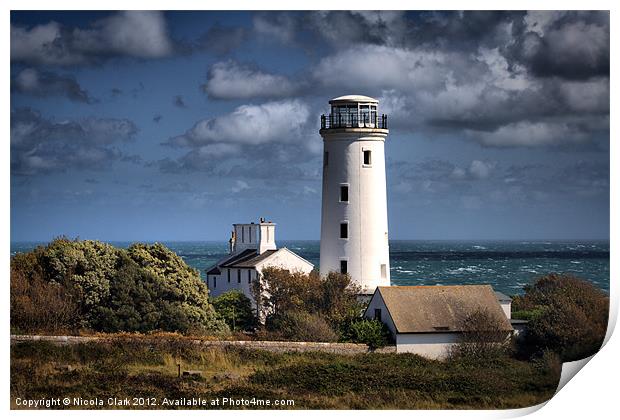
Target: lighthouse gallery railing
x: 353, y: 121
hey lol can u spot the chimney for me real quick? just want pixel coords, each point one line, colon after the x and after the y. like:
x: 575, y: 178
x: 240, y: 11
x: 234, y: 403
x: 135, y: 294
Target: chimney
x: 267, y: 240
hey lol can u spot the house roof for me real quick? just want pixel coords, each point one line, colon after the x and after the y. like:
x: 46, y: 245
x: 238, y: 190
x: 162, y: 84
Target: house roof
x: 424, y: 309
x: 252, y: 262
x: 502, y: 297
x: 215, y: 270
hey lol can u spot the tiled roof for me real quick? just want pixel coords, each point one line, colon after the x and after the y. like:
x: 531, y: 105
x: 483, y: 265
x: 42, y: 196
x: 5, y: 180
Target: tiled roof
x: 252, y: 262
x: 423, y: 309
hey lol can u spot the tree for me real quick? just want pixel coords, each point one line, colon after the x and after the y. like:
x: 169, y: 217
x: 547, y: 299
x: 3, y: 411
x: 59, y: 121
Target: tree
x: 570, y: 316
x: 144, y: 288
x: 332, y: 298
x: 236, y: 309
x: 483, y: 336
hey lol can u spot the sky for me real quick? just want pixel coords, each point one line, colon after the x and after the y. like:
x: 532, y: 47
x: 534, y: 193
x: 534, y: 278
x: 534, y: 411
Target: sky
x: 160, y: 126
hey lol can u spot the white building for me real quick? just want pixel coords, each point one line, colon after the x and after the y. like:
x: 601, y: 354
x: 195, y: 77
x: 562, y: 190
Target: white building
x: 506, y: 303
x: 427, y: 320
x: 354, y: 224
x: 252, y: 249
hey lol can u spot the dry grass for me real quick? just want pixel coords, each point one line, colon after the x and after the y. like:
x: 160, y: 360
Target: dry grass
x: 121, y: 368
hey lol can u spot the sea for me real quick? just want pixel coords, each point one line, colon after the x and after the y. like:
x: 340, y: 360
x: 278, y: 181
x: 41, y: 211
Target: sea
x: 506, y: 265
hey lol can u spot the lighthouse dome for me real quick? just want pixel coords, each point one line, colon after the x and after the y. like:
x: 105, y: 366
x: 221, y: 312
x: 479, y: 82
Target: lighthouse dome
x: 354, y: 98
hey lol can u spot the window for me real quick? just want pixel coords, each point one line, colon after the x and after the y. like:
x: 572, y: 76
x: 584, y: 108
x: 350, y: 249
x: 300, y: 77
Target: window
x: 239, y: 275
x: 228, y: 275
x: 344, y: 230
x: 344, y: 193
x: 242, y: 234
x: 214, y: 282
x: 367, y: 157
x: 383, y: 271
x: 249, y: 276
x: 325, y: 159
x: 378, y: 314
x: 343, y: 267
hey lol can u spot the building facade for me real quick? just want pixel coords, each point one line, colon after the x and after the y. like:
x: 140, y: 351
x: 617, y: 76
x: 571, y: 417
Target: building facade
x: 428, y: 320
x: 252, y: 248
x: 354, y: 223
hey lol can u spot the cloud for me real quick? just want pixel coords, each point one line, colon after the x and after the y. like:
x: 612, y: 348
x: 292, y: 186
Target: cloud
x: 531, y: 134
x: 231, y: 80
x: 221, y: 39
x: 239, y: 186
x: 44, y: 83
x: 569, y: 45
x: 179, y: 102
x: 140, y: 34
x: 281, y: 122
x: 39, y: 145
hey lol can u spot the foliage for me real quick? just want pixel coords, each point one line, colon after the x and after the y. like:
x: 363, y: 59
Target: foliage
x: 371, y: 332
x: 143, y: 288
x: 482, y: 337
x: 36, y: 304
x: 236, y: 309
x: 571, y: 316
x: 333, y: 297
x: 304, y: 326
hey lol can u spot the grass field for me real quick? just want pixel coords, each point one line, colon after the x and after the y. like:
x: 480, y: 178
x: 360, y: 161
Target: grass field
x: 146, y: 374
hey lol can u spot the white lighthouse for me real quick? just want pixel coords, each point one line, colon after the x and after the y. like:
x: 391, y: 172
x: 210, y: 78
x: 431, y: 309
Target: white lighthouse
x: 354, y: 226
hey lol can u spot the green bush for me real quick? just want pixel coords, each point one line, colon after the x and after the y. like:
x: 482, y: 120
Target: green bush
x: 143, y: 288
x: 304, y: 326
x: 236, y: 309
x: 570, y: 317
x: 371, y: 332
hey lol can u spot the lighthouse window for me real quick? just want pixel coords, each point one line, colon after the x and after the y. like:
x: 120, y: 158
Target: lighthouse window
x: 344, y: 193
x: 383, y: 271
x: 344, y: 230
x: 343, y: 267
x: 367, y: 157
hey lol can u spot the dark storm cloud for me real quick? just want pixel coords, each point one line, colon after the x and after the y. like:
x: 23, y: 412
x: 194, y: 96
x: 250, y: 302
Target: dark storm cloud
x: 140, y: 34
x: 570, y: 45
x: 39, y: 145
x: 45, y: 83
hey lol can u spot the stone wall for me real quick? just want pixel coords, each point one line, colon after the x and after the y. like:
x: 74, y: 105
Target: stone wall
x: 272, y: 346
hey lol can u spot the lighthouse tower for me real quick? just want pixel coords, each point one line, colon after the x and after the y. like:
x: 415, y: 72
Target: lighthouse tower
x: 354, y: 226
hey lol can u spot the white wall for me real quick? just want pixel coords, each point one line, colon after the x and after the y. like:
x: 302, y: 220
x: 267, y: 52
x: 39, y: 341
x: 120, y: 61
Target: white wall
x: 430, y: 345
x: 376, y: 302
x: 506, y: 308
x: 223, y: 286
x: 286, y: 259
x: 366, y: 249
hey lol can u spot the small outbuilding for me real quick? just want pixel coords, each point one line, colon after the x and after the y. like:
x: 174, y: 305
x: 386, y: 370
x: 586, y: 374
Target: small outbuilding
x: 428, y: 320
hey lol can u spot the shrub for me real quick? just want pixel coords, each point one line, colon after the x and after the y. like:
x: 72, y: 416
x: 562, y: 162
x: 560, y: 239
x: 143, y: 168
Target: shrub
x: 143, y: 288
x: 371, y: 332
x: 333, y: 298
x: 36, y: 304
x: 236, y: 309
x: 570, y: 317
x: 483, y: 337
x: 304, y: 326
